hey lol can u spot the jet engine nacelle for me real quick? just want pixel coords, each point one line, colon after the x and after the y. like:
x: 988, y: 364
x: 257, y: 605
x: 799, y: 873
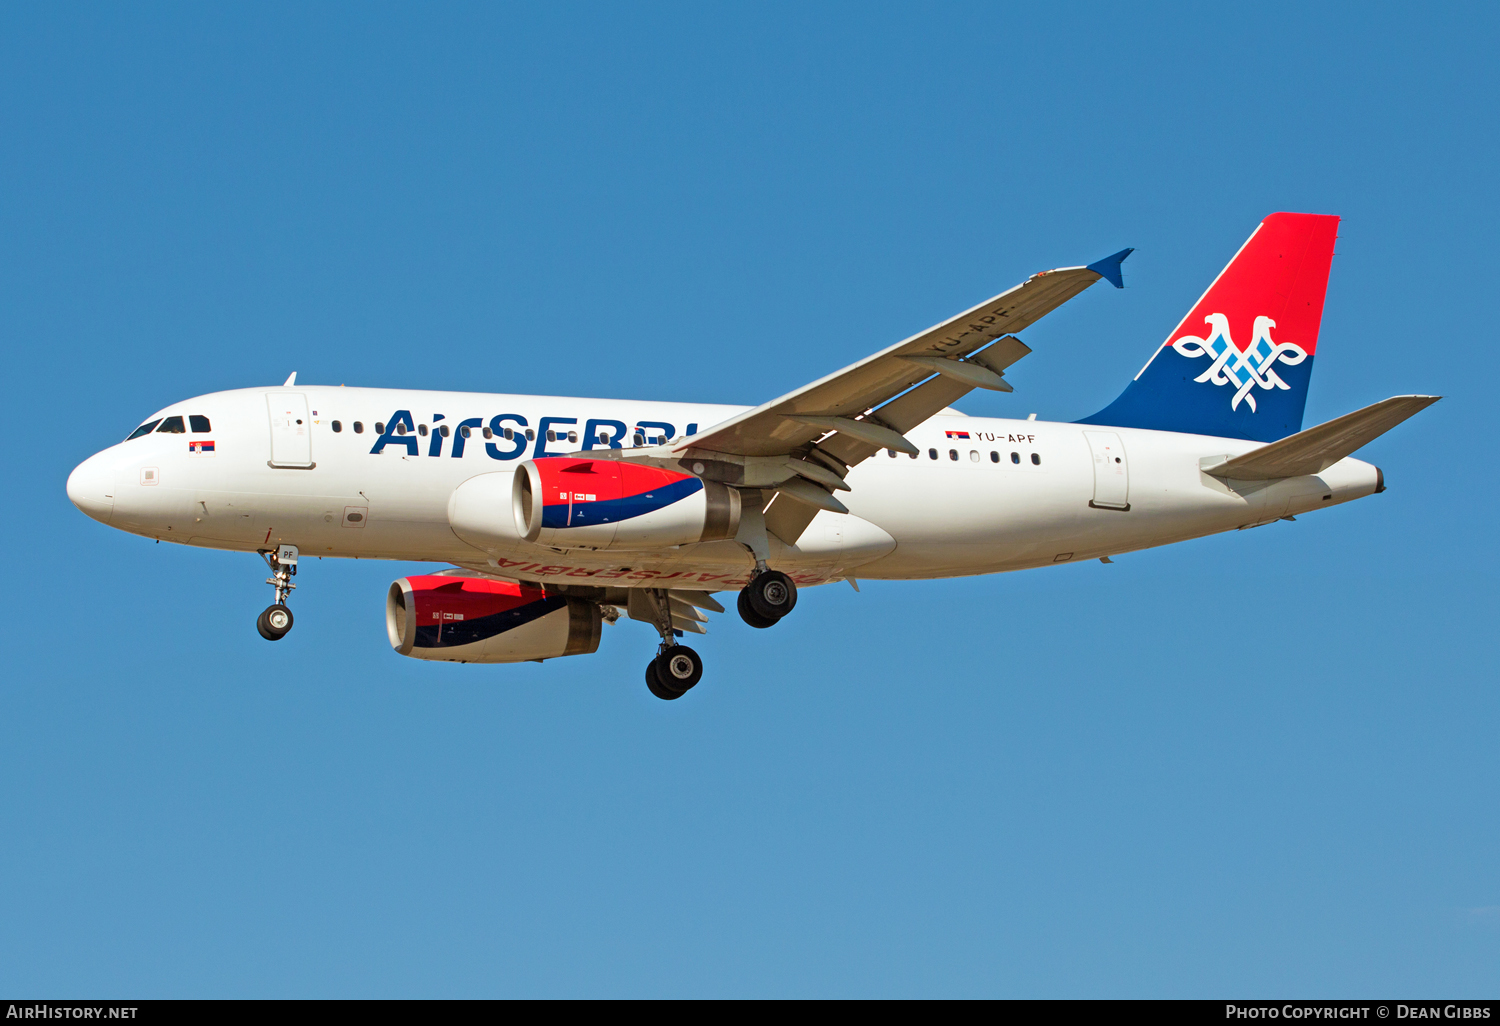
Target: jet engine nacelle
x: 480, y: 512
x: 479, y: 620
x: 610, y: 504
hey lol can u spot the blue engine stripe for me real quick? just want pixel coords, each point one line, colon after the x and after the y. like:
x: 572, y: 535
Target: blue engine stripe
x: 450, y: 633
x: 612, y: 511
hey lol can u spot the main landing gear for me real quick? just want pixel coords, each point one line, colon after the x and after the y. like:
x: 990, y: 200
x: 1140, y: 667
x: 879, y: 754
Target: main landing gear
x: 276, y: 619
x: 676, y: 668
x: 768, y: 597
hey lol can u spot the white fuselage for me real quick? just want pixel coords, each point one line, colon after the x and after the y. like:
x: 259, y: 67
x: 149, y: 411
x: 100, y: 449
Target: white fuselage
x: 1012, y: 494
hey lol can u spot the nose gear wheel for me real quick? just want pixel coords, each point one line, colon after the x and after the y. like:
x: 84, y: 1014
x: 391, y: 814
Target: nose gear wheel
x: 274, y: 622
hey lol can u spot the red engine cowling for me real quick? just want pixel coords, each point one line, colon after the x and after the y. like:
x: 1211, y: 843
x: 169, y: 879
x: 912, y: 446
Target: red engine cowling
x: 611, y: 504
x: 479, y: 620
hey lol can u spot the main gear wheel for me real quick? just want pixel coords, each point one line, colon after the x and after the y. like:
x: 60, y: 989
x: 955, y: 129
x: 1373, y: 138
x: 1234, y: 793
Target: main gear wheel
x: 770, y: 595
x: 673, y: 672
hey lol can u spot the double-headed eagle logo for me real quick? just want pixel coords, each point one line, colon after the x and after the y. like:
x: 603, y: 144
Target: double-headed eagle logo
x: 1242, y: 369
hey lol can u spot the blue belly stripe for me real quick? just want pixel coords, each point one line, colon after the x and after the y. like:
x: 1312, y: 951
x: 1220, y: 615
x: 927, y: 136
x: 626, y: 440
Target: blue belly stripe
x: 612, y: 511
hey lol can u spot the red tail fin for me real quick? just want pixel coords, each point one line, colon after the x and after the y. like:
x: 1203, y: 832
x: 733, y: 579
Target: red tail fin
x: 1255, y: 330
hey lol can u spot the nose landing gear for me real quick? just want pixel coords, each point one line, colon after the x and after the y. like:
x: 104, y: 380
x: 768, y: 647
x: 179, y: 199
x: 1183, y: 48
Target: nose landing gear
x: 276, y: 619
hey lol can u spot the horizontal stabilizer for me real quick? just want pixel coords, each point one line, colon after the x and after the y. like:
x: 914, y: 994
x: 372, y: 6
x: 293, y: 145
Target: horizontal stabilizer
x: 1318, y: 448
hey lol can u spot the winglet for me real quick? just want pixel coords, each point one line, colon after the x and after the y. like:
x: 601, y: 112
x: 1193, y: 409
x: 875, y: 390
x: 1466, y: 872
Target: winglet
x: 291, y: 380
x: 1109, y: 268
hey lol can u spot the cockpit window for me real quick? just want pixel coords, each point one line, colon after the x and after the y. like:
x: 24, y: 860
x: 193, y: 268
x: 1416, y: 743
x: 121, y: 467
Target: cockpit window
x: 144, y: 429
x: 172, y: 426
x: 199, y: 424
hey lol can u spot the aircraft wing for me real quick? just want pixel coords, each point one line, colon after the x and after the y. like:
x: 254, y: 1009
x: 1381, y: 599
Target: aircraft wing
x: 848, y: 416
x: 1318, y: 448
x: 878, y: 390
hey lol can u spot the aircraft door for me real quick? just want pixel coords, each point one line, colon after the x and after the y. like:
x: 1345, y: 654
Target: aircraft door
x: 291, y: 430
x: 1111, y: 471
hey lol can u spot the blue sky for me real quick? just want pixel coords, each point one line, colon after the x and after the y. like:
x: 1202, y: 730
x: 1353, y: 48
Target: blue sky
x: 1259, y: 764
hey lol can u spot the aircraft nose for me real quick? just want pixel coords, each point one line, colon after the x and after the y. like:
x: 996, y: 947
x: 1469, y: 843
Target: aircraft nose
x: 91, y: 487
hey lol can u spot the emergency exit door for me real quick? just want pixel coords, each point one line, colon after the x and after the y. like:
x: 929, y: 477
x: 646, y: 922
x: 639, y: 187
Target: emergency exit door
x: 291, y: 430
x: 1111, y: 471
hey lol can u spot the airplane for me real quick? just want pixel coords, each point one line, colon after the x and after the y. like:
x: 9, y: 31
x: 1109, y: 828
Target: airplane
x: 557, y: 515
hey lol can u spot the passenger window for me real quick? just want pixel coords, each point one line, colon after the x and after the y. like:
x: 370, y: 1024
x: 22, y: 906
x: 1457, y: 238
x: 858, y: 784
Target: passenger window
x: 973, y: 455
x: 379, y: 428
x: 530, y: 434
x: 953, y: 455
x: 144, y: 429
x: 463, y: 431
x: 1036, y: 459
x: 359, y: 427
x: 490, y: 434
x: 1015, y: 457
x: 551, y: 436
x: 891, y: 453
x: 639, y: 439
x: 422, y: 430
x: 401, y: 429
x: 572, y: 436
x: 932, y: 454
x: 912, y: 455
x: 509, y: 433
x: 444, y: 431
x: 337, y: 427
x: 172, y: 426
x: 994, y: 456
x: 199, y: 424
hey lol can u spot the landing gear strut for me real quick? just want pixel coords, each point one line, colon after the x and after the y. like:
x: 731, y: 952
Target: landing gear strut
x: 768, y: 597
x: 276, y: 619
x: 676, y: 668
